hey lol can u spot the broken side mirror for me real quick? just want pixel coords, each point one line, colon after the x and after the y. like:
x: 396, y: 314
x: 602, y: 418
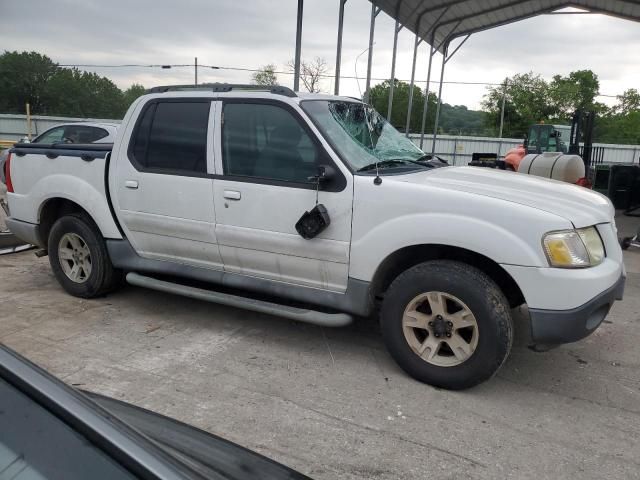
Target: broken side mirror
x: 314, y: 221
x: 325, y: 173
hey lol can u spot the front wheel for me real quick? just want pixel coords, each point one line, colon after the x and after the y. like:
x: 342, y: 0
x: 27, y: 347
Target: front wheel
x: 447, y: 324
x: 79, y: 258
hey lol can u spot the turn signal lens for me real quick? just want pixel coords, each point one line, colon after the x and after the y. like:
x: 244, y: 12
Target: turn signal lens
x: 574, y: 248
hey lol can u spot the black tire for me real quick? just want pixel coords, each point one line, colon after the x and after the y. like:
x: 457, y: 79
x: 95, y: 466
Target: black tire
x: 625, y: 243
x: 103, y: 277
x: 483, y: 298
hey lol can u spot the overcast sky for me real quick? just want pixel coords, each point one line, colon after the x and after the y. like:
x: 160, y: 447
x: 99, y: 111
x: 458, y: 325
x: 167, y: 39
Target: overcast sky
x: 252, y: 33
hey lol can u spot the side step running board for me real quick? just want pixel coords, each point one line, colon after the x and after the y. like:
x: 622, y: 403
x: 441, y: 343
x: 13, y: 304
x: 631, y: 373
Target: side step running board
x: 293, y: 313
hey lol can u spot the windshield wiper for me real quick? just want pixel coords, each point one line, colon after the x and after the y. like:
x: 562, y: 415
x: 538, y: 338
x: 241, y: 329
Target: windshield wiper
x: 386, y: 163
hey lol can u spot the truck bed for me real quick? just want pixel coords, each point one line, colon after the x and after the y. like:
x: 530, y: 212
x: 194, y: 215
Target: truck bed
x: 40, y: 172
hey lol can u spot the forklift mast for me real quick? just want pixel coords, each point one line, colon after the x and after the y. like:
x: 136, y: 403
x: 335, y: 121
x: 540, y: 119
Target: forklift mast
x: 582, y: 130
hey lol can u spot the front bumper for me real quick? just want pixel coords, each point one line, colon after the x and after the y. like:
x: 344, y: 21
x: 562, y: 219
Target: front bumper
x: 552, y: 327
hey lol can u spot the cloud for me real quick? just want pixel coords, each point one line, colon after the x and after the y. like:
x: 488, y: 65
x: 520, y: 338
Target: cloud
x: 252, y: 34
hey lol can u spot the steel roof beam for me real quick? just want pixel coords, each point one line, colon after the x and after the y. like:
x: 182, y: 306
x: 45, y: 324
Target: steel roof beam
x: 514, y: 3
x: 503, y: 22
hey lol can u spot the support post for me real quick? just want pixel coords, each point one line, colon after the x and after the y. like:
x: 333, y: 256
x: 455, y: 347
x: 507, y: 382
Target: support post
x: 413, y: 76
x: 196, y: 71
x: 336, y: 88
x: 415, y: 53
x: 296, y: 62
x: 437, y: 120
x: 396, y: 30
x: 426, y: 95
x: 504, y: 97
x: 28, y: 108
x: 374, y: 13
x: 445, y: 58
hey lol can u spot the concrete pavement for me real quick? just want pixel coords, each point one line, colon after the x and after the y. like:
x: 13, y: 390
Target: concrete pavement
x: 332, y: 403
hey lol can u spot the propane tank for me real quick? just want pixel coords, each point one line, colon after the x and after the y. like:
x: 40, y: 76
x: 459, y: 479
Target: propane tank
x: 555, y: 165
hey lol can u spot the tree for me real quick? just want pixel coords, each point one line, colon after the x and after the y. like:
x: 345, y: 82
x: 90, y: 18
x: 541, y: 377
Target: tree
x: 24, y: 78
x: 131, y: 94
x: 83, y: 94
x: 379, y: 99
x: 526, y: 102
x: 576, y: 91
x: 266, y: 76
x: 311, y: 73
x: 629, y: 102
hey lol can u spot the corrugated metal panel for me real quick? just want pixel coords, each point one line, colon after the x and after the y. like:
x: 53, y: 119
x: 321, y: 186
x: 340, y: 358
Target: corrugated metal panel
x: 458, y: 150
x: 14, y: 127
x: 461, y: 17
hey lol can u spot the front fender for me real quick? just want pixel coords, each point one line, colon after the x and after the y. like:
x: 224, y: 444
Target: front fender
x: 463, y: 231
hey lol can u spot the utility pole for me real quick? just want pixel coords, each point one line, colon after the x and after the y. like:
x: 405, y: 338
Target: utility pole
x: 196, y: 65
x: 504, y: 96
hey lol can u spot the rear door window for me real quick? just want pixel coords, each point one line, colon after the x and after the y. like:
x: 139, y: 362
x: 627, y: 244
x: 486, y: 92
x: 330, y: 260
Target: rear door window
x: 171, y: 138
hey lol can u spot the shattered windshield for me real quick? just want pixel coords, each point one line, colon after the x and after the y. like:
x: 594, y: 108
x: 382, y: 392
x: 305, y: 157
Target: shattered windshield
x: 362, y: 136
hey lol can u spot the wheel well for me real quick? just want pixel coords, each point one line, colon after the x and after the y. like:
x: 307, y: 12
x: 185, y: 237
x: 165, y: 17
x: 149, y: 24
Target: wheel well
x: 407, y: 257
x: 52, y: 210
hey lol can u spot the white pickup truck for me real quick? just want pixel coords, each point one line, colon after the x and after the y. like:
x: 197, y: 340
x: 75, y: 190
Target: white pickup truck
x: 314, y: 208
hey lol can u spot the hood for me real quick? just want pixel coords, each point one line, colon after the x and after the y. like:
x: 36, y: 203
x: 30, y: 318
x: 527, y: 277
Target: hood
x: 579, y: 205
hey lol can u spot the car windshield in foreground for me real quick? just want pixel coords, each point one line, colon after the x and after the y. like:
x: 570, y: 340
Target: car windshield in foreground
x: 362, y: 136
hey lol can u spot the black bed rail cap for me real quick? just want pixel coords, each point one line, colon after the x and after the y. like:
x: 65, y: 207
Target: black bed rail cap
x: 96, y: 147
x: 224, y: 87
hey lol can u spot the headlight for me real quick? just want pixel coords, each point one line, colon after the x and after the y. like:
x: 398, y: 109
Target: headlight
x: 574, y: 248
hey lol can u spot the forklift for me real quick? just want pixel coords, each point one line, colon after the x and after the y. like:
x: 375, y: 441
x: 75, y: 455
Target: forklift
x: 542, y: 138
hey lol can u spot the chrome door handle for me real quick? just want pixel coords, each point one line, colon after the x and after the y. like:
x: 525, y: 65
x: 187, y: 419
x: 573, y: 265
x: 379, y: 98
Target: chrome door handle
x: 133, y: 184
x: 232, y: 195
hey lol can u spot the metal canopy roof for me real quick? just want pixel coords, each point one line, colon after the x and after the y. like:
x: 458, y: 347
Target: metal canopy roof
x: 439, y: 21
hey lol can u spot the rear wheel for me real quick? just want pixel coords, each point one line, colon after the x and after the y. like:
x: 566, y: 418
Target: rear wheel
x: 79, y: 259
x: 447, y: 324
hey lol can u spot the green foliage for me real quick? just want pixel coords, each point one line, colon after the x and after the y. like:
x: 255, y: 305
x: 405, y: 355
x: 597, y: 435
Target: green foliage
x: 629, y: 102
x: 456, y: 120
x: 530, y: 99
x: 578, y: 90
x: 266, y: 76
x: 526, y: 101
x: 131, y: 94
x: 24, y: 78
x: 30, y: 77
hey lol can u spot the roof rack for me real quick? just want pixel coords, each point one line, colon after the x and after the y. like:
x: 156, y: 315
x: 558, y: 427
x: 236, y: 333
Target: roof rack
x: 224, y: 87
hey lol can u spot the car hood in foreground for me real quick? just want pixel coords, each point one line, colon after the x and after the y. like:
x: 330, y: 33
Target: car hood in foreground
x: 579, y: 205
x: 207, y: 454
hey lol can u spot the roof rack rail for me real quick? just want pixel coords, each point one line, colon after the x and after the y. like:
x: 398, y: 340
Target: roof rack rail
x: 224, y: 87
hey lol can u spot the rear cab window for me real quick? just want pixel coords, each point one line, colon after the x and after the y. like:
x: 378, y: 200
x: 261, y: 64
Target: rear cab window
x: 171, y: 138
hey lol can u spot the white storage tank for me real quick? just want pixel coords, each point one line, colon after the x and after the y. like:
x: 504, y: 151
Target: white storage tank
x: 555, y: 165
